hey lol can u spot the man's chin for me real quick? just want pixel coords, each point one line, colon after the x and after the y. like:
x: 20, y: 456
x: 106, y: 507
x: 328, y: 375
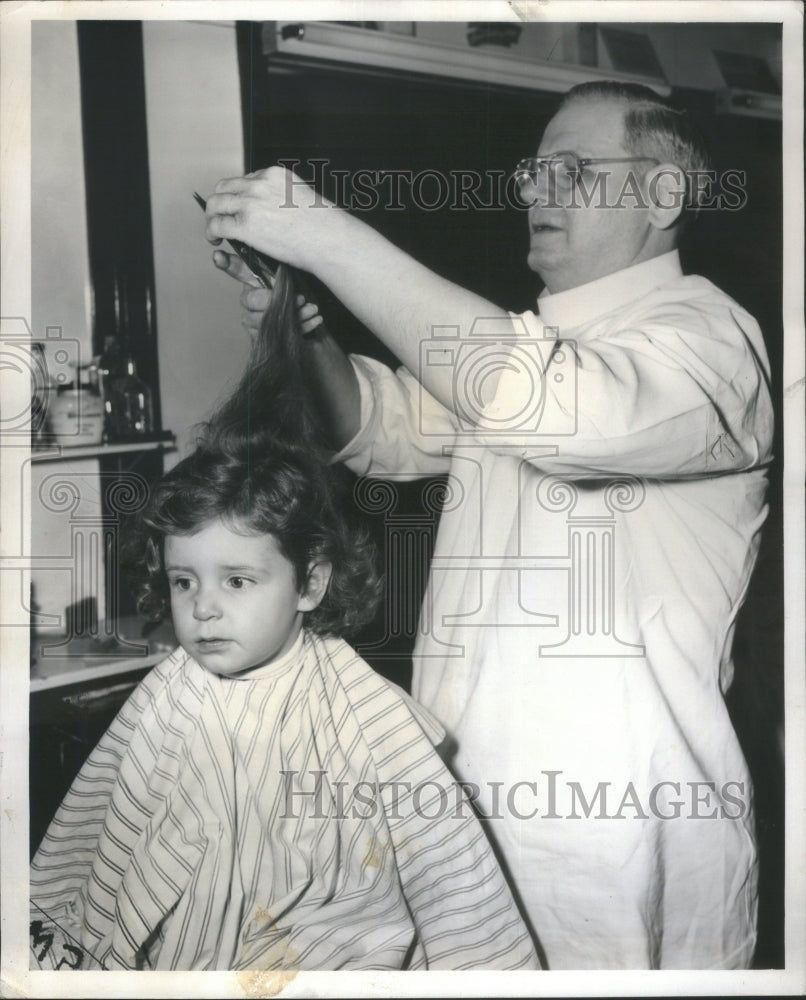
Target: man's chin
x: 540, y: 262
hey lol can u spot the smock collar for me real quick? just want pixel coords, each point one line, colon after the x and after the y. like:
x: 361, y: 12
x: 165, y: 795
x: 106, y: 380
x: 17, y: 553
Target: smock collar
x: 577, y: 306
x: 275, y: 667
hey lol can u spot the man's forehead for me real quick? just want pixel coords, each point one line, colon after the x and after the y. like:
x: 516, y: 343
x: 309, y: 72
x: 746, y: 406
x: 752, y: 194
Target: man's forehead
x: 586, y: 121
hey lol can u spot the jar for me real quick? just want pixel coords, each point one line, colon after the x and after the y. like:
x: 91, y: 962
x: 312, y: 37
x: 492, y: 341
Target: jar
x: 77, y: 417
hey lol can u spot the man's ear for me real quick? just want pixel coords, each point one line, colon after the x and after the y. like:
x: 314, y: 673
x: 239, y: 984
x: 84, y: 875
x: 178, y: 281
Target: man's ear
x: 319, y: 574
x: 666, y: 194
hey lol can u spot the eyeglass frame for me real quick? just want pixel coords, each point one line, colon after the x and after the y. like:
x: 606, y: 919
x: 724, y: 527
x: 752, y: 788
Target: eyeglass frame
x: 581, y: 161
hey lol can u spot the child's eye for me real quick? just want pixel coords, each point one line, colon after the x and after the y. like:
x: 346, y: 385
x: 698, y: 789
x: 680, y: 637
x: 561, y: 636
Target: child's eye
x: 238, y: 582
x: 181, y: 583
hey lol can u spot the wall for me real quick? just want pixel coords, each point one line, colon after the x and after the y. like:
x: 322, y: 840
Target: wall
x: 60, y: 290
x: 59, y: 260
x: 195, y: 138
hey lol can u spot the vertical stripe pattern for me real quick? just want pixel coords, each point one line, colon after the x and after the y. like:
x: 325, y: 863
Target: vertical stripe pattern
x: 299, y: 819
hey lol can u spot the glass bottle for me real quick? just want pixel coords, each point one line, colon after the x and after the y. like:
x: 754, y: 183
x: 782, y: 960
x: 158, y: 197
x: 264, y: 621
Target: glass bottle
x: 132, y: 410
x: 110, y: 368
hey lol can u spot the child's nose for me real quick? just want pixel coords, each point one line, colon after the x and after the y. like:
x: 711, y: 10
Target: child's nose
x: 206, y: 605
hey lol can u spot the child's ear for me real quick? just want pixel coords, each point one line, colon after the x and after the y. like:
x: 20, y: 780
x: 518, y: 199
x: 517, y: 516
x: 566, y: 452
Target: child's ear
x: 315, y: 586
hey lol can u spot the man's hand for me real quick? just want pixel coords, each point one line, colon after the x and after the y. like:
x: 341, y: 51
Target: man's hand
x: 270, y: 210
x: 255, y: 299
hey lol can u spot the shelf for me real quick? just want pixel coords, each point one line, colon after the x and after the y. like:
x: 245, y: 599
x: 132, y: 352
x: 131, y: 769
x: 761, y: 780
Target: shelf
x: 72, y: 672
x: 84, y: 660
x: 62, y: 453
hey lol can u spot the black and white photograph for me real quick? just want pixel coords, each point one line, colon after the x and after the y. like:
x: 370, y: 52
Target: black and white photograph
x: 402, y: 463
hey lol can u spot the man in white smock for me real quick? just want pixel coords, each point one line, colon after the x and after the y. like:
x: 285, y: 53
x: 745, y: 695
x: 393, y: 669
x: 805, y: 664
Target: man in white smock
x: 606, y: 459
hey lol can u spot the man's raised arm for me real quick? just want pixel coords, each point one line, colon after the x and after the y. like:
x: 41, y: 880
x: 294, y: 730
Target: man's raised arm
x: 398, y: 299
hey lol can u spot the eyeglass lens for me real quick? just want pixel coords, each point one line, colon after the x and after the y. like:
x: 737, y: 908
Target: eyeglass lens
x: 562, y: 168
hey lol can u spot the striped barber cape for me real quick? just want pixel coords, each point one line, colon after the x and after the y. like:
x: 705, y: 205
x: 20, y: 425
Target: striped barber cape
x: 295, y: 818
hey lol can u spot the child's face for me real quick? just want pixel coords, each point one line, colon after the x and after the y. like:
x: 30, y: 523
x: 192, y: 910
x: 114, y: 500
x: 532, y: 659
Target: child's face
x: 234, y: 598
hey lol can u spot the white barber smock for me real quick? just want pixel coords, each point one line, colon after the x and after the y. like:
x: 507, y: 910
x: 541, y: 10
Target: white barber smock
x: 577, y: 626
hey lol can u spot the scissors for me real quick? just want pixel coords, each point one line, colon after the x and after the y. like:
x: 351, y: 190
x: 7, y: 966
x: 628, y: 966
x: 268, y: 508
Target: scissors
x: 262, y: 267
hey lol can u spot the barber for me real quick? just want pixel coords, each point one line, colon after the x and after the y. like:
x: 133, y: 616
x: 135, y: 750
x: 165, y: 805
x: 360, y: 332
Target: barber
x: 589, y: 568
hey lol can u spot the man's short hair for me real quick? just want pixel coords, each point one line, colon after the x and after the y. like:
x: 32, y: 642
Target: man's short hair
x: 654, y: 127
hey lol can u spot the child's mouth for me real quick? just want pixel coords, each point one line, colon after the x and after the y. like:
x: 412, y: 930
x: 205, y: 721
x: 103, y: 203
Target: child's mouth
x: 212, y: 645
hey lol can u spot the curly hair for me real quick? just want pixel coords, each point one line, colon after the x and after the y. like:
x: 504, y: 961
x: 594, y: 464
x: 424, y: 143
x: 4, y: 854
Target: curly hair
x: 288, y: 495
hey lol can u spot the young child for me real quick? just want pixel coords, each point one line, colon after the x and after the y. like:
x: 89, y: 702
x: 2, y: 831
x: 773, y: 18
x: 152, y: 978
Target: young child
x: 264, y: 800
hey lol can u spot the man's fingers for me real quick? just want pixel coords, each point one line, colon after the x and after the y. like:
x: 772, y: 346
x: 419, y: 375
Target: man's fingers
x: 231, y: 185
x: 225, y: 214
x: 255, y: 299
x: 222, y: 227
x: 234, y: 267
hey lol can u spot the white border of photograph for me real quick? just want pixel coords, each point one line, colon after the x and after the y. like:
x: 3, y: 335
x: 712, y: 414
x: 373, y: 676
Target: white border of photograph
x: 15, y: 295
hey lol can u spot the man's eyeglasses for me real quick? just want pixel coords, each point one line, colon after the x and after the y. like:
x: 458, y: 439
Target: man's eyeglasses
x: 565, y: 168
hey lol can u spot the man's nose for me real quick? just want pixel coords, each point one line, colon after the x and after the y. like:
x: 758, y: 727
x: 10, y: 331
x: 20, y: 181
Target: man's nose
x: 532, y: 189
x: 540, y: 192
